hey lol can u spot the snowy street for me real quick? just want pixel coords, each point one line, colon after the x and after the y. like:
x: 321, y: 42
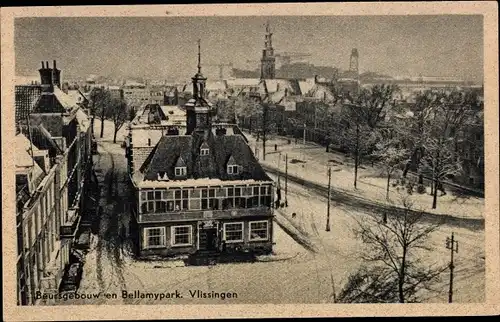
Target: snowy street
x: 308, y: 263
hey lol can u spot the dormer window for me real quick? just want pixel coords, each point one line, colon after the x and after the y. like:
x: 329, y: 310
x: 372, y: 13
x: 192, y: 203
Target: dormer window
x: 232, y: 166
x: 204, y: 150
x: 180, y: 171
x: 232, y: 169
x: 180, y: 168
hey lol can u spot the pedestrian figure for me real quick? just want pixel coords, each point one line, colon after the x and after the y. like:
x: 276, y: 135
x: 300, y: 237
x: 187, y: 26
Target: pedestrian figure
x: 278, y: 197
x: 275, y: 147
x: 384, y: 218
x: 293, y: 215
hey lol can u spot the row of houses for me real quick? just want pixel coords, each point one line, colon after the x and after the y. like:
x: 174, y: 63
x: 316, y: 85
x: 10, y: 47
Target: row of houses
x: 53, y: 172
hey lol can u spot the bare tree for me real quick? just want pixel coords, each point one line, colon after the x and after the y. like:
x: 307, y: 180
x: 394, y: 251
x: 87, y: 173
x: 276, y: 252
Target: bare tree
x: 118, y: 113
x: 98, y: 100
x: 451, y: 112
x: 361, y: 118
x: 102, y: 108
x: 392, y: 245
x: 391, y: 156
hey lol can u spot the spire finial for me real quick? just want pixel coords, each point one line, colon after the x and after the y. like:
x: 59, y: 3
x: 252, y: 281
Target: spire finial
x: 199, y: 56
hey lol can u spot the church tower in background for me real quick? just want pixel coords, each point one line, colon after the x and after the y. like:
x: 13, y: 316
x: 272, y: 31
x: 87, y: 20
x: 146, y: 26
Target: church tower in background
x: 268, y: 61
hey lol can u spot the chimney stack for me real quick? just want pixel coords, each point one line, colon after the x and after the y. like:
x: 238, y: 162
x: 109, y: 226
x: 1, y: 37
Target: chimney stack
x: 46, y: 77
x: 56, y: 75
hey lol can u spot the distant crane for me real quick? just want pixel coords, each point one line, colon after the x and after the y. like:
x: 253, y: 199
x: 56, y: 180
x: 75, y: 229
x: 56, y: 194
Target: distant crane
x: 286, y: 57
x: 221, y: 68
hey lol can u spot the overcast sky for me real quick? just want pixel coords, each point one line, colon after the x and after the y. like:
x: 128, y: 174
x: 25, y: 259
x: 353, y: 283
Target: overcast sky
x: 165, y: 47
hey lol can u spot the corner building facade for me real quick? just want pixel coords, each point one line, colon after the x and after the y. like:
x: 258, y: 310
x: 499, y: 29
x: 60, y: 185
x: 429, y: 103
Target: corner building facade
x: 203, y: 191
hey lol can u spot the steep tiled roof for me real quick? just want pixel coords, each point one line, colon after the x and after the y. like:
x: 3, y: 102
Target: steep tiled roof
x: 42, y: 139
x: 169, y: 149
x: 55, y: 102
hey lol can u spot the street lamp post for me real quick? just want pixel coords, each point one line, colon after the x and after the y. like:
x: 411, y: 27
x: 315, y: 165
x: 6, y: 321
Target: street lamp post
x: 286, y: 180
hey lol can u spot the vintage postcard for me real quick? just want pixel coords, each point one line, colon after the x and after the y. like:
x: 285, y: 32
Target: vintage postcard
x: 250, y: 160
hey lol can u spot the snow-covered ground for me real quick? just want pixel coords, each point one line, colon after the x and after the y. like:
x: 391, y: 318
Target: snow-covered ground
x: 342, y: 248
x: 371, y: 181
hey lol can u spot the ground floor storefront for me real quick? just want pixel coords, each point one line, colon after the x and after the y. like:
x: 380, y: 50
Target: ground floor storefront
x: 253, y: 234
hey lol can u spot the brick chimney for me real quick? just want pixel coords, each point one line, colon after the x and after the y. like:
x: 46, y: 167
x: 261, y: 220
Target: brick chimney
x: 56, y: 76
x: 46, y: 77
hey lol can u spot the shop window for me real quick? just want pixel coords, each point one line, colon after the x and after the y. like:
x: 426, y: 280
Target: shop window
x: 181, y: 235
x: 258, y: 230
x: 233, y: 232
x: 154, y: 237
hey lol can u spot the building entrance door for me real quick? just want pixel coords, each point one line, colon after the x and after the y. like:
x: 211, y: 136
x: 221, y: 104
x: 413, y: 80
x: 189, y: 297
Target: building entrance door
x: 208, y: 239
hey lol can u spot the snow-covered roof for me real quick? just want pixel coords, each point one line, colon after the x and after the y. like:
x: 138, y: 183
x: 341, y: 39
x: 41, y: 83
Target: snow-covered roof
x: 141, y: 137
x: 215, y: 86
x: 306, y: 86
x: 321, y: 92
x: 68, y: 102
x: 83, y: 120
x: 191, y: 182
x: 76, y: 95
x: 23, y: 146
x: 134, y: 84
x: 243, y: 82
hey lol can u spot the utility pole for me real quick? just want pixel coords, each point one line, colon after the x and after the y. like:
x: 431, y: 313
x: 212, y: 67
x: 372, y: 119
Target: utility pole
x: 304, y: 135
x: 452, y: 245
x: 286, y: 180
x: 279, y: 169
x: 328, y: 209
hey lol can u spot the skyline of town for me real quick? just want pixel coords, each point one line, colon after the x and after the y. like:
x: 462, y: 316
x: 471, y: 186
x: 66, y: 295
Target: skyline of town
x: 449, y: 45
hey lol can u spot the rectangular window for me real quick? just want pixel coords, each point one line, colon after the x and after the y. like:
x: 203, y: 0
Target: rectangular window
x: 221, y: 192
x: 180, y: 171
x: 233, y: 232
x: 232, y: 169
x: 204, y: 152
x: 195, y: 193
x: 258, y: 230
x: 154, y: 237
x: 181, y: 235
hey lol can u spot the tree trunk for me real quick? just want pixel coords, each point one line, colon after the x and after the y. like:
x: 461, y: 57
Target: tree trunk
x: 92, y: 121
x: 356, y: 158
x: 401, y: 277
x: 114, y: 136
x: 102, y: 127
x: 264, y: 146
x: 434, y: 194
x: 388, y: 184
x: 406, y: 169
